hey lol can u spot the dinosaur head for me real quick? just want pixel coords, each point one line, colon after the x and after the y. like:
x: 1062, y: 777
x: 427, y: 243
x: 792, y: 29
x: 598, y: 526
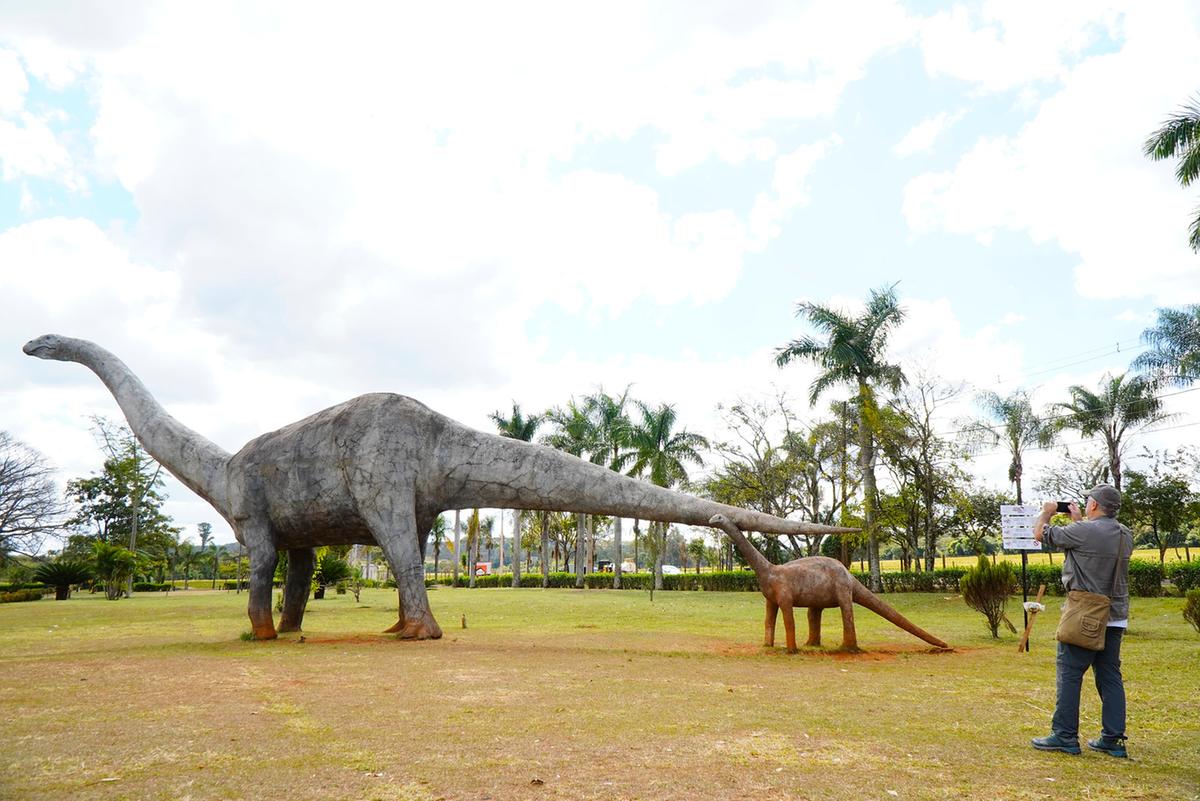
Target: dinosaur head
x: 50, y: 346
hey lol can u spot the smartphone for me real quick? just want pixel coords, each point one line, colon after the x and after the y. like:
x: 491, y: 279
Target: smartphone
x: 1064, y: 507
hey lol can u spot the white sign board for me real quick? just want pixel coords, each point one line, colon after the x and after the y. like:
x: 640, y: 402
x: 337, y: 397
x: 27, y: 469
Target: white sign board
x: 1016, y: 527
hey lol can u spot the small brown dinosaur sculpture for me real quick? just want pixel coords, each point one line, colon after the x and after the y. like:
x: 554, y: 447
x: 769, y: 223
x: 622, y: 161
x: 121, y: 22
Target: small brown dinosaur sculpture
x: 815, y: 582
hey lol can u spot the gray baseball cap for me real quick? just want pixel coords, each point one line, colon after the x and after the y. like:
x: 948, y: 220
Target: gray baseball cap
x: 1107, y: 496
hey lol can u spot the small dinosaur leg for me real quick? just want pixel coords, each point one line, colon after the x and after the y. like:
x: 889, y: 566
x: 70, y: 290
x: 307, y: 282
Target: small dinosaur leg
x: 769, y: 629
x: 814, y: 626
x: 263, y: 557
x: 849, y: 637
x: 789, y: 625
x: 296, y: 588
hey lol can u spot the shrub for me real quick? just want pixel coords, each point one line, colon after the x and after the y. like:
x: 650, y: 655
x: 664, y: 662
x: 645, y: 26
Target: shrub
x: 1184, y: 575
x: 1050, y: 575
x: 20, y: 595
x: 150, y: 586
x: 1145, y: 578
x: 986, y: 588
x: 1191, y: 608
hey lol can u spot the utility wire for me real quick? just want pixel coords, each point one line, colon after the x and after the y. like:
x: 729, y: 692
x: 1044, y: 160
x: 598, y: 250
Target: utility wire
x: 1085, y: 439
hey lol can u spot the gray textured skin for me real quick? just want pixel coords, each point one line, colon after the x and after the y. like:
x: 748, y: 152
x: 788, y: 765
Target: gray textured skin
x: 815, y: 582
x: 374, y: 470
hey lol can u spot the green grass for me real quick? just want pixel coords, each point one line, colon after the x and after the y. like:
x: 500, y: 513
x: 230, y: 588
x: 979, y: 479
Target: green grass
x: 1035, y: 558
x: 597, y: 694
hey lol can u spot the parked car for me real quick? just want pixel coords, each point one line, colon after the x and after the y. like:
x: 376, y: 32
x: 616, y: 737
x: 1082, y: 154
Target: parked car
x: 604, y: 566
x: 671, y: 570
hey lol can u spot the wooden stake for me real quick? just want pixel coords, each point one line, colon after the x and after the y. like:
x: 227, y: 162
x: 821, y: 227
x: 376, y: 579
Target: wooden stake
x: 1029, y: 625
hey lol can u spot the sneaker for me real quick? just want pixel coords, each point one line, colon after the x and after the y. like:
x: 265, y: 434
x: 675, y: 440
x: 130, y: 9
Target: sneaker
x: 1114, y: 747
x: 1055, y: 743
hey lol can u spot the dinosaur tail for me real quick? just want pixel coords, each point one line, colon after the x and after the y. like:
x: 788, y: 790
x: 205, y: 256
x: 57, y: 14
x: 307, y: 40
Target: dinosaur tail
x: 864, y: 597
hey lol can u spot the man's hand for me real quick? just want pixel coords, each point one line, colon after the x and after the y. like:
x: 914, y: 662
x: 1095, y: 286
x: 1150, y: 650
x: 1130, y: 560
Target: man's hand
x: 1073, y: 511
x: 1049, y: 508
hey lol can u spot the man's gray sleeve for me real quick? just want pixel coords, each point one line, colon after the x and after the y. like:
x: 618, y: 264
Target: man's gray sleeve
x: 1064, y: 537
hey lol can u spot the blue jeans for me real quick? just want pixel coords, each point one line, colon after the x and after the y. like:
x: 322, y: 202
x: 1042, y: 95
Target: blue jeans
x: 1073, y: 662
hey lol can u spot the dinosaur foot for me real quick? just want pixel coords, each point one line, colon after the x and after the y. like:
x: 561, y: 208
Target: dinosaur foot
x: 287, y: 625
x: 265, y: 633
x: 793, y: 650
x: 849, y: 648
x: 416, y: 630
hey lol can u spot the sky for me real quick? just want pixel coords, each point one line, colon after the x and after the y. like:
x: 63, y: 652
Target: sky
x: 266, y: 209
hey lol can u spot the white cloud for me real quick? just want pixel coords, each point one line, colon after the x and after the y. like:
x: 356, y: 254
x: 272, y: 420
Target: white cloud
x: 1092, y: 194
x: 1006, y: 44
x: 13, y: 83
x: 923, y: 135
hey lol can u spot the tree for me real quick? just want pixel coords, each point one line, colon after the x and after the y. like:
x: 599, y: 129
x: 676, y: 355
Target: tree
x: 1157, y: 502
x: 438, y: 535
x: 986, y: 588
x: 659, y: 453
x: 1179, y: 136
x: 517, y: 426
x: 1121, y: 407
x: 575, y: 434
x: 31, y: 509
x: 853, y: 353
x: 186, y: 554
x: 204, y: 532
x: 114, y: 566
x: 330, y: 570
x: 1174, y: 354
x: 611, y: 431
x: 975, y: 522
x: 1013, y: 424
x: 472, y: 546
x: 61, y: 574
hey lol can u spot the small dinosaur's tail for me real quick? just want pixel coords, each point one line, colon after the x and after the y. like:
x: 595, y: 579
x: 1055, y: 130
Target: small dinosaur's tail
x: 864, y: 597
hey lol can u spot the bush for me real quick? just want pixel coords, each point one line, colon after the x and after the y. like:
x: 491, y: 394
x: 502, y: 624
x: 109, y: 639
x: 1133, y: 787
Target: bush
x: 1184, y: 575
x: 1145, y: 578
x: 986, y: 588
x: 1191, y: 608
x: 15, y: 586
x: 150, y: 586
x: 21, y: 595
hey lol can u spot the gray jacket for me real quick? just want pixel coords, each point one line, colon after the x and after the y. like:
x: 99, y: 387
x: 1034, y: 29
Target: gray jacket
x: 1090, y: 547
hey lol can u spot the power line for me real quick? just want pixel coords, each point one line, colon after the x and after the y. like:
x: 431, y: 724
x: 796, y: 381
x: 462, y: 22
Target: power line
x: 1086, y: 439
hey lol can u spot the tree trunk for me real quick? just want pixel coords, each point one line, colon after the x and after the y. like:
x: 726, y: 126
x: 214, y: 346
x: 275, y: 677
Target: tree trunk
x: 1114, y: 463
x: 516, y: 548
x: 866, y: 448
x: 616, y: 553
x: 636, y: 536
x: 579, y: 535
x: 660, y: 540
x: 545, y: 549
x: 500, y: 565
x: 457, y: 548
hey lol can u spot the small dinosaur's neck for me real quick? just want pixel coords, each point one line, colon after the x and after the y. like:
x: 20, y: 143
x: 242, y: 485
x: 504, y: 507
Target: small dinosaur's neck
x: 758, y: 563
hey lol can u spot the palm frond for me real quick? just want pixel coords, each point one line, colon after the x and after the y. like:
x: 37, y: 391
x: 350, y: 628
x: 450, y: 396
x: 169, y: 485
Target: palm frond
x: 1178, y: 132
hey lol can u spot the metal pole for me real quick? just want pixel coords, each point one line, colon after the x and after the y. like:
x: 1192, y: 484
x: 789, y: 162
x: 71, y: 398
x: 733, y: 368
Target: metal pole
x: 1025, y: 591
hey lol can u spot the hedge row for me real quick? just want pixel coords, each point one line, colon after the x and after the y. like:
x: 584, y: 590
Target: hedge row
x: 1184, y: 575
x: 24, y: 586
x: 21, y: 595
x: 1145, y: 579
x: 150, y: 586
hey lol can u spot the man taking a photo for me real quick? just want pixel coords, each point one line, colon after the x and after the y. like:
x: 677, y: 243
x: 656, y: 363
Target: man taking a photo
x: 1097, y: 560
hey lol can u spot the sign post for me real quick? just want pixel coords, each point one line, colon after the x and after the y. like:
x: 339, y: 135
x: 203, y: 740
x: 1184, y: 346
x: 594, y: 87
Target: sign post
x: 1016, y: 532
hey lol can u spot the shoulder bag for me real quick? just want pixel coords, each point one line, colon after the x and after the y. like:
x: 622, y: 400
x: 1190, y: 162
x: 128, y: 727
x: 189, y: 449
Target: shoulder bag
x: 1085, y: 615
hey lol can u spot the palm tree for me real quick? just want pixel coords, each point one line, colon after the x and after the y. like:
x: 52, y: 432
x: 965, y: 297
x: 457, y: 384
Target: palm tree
x: 576, y: 435
x: 1174, y: 356
x: 659, y: 453
x: 1014, y: 424
x: 518, y: 426
x: 853, y: 354
x: 1180, y: 136
x: 186, y: 555
x: 1121, y: 404
x: 61, y: 574
x: 611, y: 429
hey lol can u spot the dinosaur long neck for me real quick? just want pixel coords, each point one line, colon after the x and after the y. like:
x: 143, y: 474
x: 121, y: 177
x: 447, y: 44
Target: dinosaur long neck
x: 194, y: 460
x: 758, y: 563
x: 511, y: 474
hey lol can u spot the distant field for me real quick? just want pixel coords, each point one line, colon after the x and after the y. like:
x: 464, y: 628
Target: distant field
x: 596, y: 695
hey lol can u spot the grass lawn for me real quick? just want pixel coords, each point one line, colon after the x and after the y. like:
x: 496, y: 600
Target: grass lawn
x: 565, y: 694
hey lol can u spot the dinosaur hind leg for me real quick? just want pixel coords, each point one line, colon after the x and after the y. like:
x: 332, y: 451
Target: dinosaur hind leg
x: 769, y: 628
x: 814, y: 626
x: 424, y: 524
x: 397, y: 536
x: 296, y: 588
x: 849, y: 636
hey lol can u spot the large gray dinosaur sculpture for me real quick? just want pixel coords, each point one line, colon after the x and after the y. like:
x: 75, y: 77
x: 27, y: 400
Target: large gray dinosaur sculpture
x: 815, y: 582
x: 377, y: 469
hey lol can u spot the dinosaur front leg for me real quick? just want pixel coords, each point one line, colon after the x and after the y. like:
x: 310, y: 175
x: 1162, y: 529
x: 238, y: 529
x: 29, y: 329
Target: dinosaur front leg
x: 263, y: 557
x: 849, y: 637
x: 769, y: 629
x: 296, y: 588
x: 814, y: 626
x: 789, y: 626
